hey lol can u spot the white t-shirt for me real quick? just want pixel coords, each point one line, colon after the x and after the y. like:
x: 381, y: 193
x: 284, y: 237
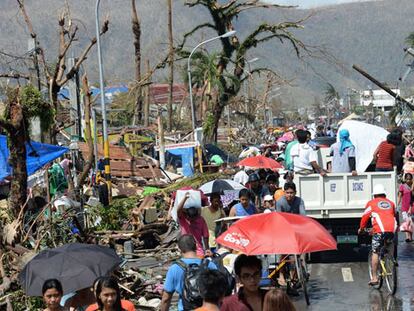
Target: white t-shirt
x: 241, y: 177
x: 303, y: 155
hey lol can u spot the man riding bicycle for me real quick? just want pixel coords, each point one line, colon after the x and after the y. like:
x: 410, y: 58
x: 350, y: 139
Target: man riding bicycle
x: 381, y: 211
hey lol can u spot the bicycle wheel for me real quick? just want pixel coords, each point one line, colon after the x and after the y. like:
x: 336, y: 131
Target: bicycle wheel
x: 379, y: 275
x: 390, y: 274
x: 304, y: 284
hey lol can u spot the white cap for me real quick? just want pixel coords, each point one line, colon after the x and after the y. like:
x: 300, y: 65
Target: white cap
x: 378, y: 189
x: 268, y: 197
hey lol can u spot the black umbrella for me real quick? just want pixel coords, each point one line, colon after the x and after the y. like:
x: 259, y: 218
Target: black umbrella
x: 75, y: 265
x: 219, y: 186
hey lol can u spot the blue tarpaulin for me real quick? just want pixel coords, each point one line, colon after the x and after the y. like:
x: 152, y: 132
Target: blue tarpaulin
x: 187, y: 155
x: 36, y: 157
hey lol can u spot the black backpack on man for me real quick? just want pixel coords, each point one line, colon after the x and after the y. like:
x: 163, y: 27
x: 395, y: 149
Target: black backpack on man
x: 231, y: 281
x: 191, y: 295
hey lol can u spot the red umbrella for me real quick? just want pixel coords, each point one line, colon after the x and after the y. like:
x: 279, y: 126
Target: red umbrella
x: 277, y: 233
x: 260, y: 162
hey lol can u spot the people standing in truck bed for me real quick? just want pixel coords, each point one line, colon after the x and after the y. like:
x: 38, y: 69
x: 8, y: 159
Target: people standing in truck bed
x: 343, y: 154
x: 384, y: 155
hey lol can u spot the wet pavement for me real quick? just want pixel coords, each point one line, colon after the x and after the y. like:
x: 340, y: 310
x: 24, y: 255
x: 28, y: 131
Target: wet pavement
x: 344, y: 286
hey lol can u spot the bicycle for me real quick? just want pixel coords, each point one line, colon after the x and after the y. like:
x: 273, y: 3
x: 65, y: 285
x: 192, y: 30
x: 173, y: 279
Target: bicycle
x: 387, y: 268
x: 300, y: 276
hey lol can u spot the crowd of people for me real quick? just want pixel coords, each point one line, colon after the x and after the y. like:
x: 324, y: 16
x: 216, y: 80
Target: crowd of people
x: 203, y: 276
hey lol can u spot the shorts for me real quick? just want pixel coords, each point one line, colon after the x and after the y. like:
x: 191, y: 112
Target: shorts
x: 378, y: 240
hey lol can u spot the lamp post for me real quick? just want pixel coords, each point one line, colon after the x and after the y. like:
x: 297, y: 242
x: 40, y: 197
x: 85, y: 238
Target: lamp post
x: 193, y: 116
x: 103, y: 107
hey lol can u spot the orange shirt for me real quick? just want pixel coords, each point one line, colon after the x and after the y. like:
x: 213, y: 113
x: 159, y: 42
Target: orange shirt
x: 125, y: 304
x: 381, y: 211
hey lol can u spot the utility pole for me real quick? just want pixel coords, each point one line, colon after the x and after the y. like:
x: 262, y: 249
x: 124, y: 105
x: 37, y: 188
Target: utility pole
x: 103, y: 105
x: 171, y: 65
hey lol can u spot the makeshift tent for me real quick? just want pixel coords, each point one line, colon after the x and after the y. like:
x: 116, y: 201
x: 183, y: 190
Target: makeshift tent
x: 37, y: 155
x: 187, y: 155
x: 366, y: 138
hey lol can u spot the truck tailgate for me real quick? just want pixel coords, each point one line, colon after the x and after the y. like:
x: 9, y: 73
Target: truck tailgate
x: 341, y: 195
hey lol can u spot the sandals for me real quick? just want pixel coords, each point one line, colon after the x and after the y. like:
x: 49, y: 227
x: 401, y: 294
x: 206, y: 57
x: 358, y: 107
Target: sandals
x: 371, y: 283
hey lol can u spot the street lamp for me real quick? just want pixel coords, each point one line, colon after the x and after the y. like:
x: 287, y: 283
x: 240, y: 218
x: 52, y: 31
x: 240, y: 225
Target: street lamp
x: 103, y: 107
x: 226, y: 35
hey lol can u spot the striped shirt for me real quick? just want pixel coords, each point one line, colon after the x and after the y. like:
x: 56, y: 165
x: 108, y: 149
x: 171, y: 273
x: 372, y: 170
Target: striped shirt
x: 385, y: 155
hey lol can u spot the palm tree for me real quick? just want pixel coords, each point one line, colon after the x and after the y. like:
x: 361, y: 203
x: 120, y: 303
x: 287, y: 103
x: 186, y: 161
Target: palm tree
x: 410, y: 39
x: 206, y: 76
x: 331, y: 93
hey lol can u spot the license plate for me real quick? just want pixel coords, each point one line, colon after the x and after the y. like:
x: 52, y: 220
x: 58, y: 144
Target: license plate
x: 347, y: 239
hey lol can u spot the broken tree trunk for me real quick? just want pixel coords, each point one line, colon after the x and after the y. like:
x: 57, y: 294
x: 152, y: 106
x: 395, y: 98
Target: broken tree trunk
x: 17, y: 135
x: 88, y: 134
x: 136, y: 31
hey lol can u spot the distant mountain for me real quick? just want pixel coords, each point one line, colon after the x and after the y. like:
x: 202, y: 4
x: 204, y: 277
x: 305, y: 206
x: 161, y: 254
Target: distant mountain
x: 370, y: 34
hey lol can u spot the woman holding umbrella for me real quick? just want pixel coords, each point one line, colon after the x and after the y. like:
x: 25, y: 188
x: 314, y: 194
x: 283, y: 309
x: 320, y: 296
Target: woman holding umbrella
x: 52, y: 294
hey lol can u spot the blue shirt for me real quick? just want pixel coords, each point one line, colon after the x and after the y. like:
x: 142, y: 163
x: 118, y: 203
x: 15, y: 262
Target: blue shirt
x: 241, y: 211
x: 174, y: 281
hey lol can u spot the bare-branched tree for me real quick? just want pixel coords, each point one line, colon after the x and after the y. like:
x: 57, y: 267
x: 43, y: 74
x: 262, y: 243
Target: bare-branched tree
x: 232, y: 56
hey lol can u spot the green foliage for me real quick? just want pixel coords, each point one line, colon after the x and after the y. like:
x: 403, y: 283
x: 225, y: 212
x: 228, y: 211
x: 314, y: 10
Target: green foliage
x: 34, y: 106
x: 125, y: 101
x: 194, y: 182
x: 208, y: 125
x: 410, y: 39
x: 331, y: 93
x: 21, y: 302
x: 114, y: 215
x: 359, y: 110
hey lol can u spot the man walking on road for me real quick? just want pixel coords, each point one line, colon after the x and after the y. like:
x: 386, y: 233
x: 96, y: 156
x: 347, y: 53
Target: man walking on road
x: 381, y: 211
x: 174, y: 281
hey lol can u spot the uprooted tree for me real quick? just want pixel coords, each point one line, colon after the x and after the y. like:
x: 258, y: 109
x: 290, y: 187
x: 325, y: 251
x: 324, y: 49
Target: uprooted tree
x: 231, y: 60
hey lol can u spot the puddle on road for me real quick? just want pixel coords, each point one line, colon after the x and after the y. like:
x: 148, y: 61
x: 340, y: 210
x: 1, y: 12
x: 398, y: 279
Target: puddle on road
x: 380, y: 301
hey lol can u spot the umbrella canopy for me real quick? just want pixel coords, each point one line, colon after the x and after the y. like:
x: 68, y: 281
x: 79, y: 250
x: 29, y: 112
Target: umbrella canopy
x: 260, y: 162
x: 277, y: 233
x: 249, y: 151
x: 220, y: 185
x: 289, y: 136
x: 75, y: 265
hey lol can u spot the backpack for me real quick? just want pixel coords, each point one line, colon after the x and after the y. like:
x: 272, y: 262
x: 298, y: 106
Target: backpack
x: 191, y: 295
x: 231, y: 281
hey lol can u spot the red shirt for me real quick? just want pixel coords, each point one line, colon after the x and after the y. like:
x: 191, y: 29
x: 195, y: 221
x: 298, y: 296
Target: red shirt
x: 197, y: 228
x: 237, y: 302
x: 381, y: 211
x: 385, y: 155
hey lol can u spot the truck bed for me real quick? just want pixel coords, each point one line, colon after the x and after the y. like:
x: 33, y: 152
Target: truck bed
x: 341, y: 195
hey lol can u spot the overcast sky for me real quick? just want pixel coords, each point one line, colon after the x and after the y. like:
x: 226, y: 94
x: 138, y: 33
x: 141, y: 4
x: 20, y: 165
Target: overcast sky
x: 310, y: 3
